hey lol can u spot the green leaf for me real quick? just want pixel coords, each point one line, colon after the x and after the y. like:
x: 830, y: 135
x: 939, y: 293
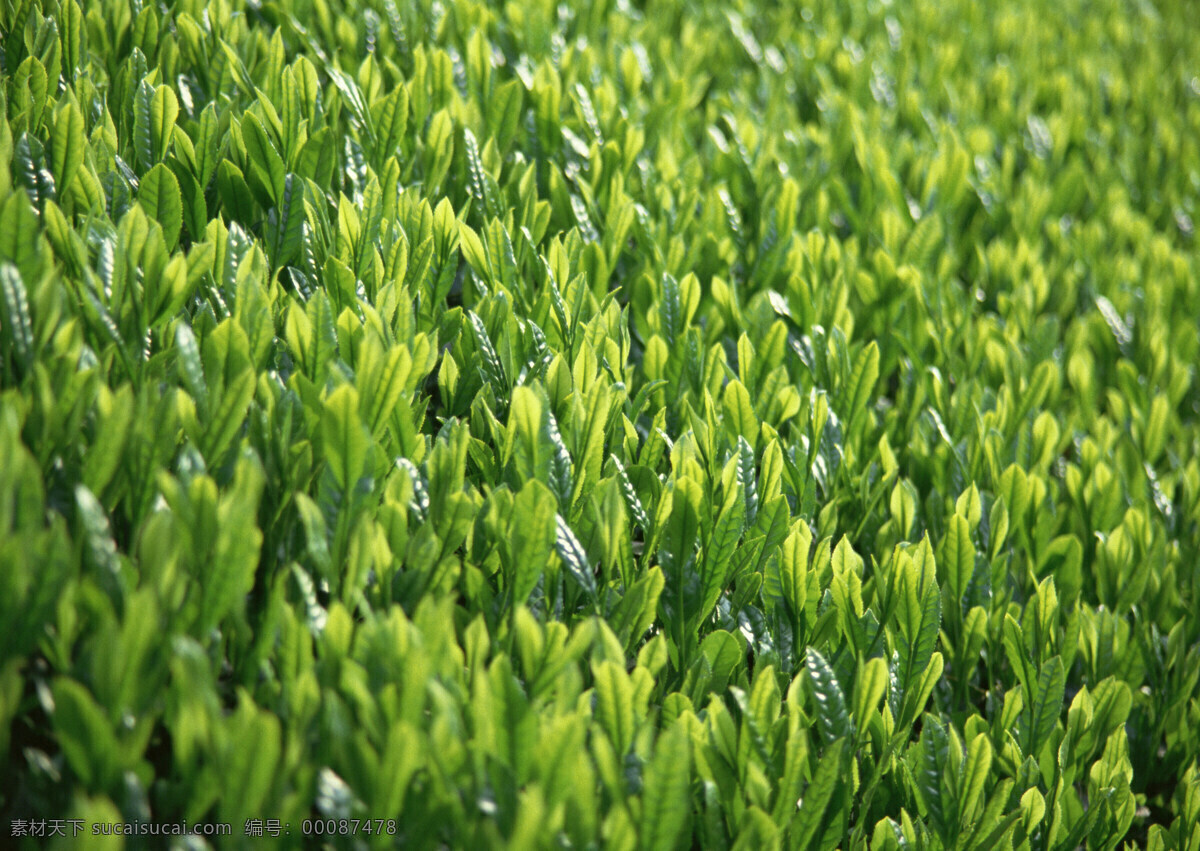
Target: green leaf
x: 666, y: 790
x: 747, y: 479
x: 68, y: 145
x: 719, y: 657
x: 195, y: 208
x: 676, y: 550
x: 31, y: 89
x: 795, y: 575
x: 632, y: 501
x: 317, y: 536
x: 614, y: 704
x: 155, y: 109
x: 671, y: 309
x: 637, y: 607
x: 718, y: 546
x: 516, y: 726
x: 70, y: 25
x: 207, y: 144
x: 16, y: 327
x: 918, y: 610
x: 285, y: 223
x: 229, y: 377
x: 1154, y: 437
x: 996, y: 838
x: 324, y: 345
x: 930, y: 768
x: 525, y: 416
x: 869, y: 688
x: 973, y: 777
x: 383, y: 386
x: 160, y: 197
x: 19, y: 236
x: 29, y: 171
x: 345, y: 438
x: 1018, y: 658
x: 560, y: 478
x: 504, y: 112
x: 1047, y: 702
x: 590, y: 448
x: 489, y: 362
x: 860, y: 386
x: 87, y: 739
x: 235, y: 193
x: 228, y: 416
x: 833, y: 720
x: 817, y: 794
x: 533, y: 531
x: 266, y: 165
x: 739, y: 413
x: 480, y: 181
x: 250, y: 759
x: 573, y: 556
x: 957, y: 557
x: 390, y: 115
x: 230, y: 577
x: 100, y: 549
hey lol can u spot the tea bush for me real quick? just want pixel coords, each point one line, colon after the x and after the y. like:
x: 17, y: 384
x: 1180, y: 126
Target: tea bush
x: 623, y: 424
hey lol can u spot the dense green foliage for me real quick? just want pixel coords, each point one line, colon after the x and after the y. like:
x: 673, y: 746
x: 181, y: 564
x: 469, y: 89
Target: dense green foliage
x: 612, y: 424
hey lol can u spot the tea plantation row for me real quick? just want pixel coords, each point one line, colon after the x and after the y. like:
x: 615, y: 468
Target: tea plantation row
x: 618, y: 424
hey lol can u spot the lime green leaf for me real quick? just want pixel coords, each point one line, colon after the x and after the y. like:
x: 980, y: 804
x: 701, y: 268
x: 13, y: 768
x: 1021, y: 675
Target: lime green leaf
x: 19, y: 236
x: 614, y: 704
x: 665, y: 796
x: 68, y: 145
x: 869, y: 688
x: 718, y: 546
x: 739, y: 413
x: 391, y: 118
x: 861, y: 385
x: 533, y: 532
x: 155, y: 109
x: 973, y: 777
x: 266, y: 164
x: 230, y: 577
x: 919, y: 612
x: 160, y: 197
x: 817, y: 794
x: 957, y: 557
x: 346, y: 439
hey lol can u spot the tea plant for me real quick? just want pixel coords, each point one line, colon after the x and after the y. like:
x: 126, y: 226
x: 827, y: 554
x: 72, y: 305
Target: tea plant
x: 635, y: 425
